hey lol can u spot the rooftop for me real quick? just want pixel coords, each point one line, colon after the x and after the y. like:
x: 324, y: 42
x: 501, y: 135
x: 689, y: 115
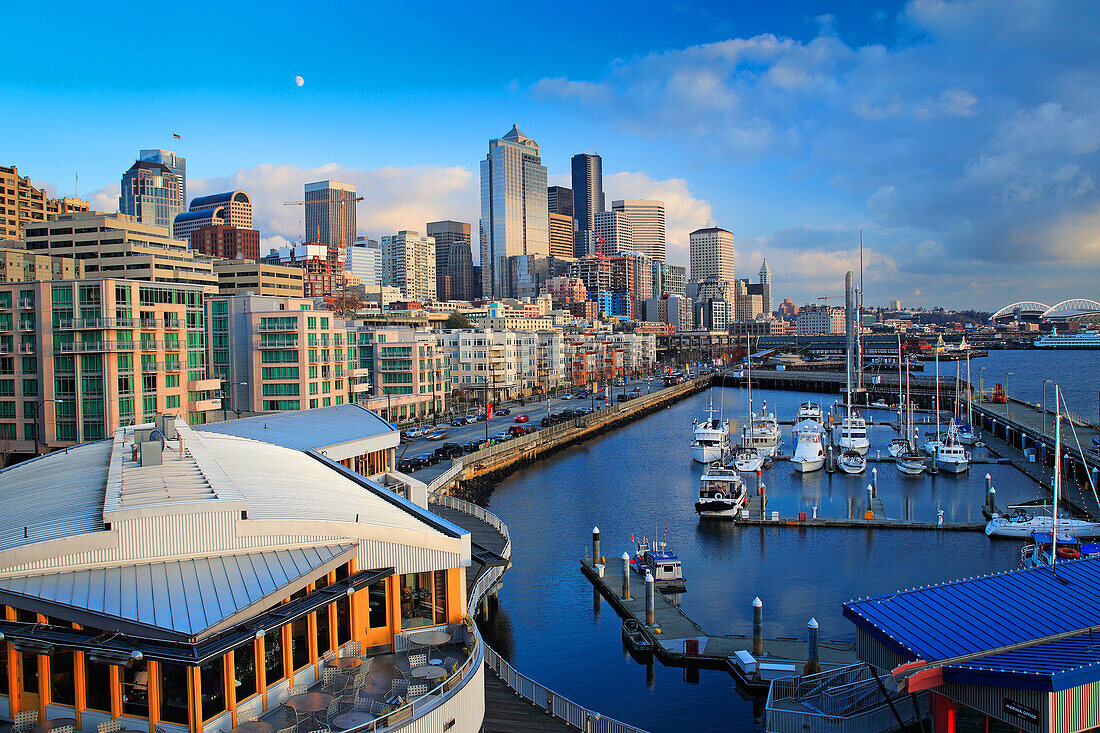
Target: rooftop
x: 318, y: 429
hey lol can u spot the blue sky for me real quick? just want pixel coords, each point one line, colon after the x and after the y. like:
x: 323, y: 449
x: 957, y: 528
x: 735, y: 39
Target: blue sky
x: 962, y: 137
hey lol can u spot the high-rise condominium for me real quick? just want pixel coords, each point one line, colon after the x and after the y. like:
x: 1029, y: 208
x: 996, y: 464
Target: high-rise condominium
x: 330, y: 216
x: 588, y: 199
x: 454, y: 266
x: 25, y: 203
x: 514, y: 218
x: 712, y: 254
x: 408, y: 262
x: 559, y: 200
x: 647, y: 219
x: 613, y: 233
x: 364, y: 260
x: 154, y: 189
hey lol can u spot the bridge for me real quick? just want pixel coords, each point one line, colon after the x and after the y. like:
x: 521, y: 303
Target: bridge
x: 1068, y: 310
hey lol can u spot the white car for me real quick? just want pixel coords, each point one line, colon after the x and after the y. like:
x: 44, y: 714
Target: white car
x: 567, y: 396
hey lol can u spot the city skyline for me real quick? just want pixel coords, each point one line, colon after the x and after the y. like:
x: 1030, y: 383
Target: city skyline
x: 886, y: 117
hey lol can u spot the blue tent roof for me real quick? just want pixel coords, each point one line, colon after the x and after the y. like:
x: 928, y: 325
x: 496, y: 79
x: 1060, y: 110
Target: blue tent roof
x: 983, y: 614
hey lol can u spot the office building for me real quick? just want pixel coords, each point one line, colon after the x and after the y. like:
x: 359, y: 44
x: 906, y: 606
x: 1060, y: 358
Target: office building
x: 559, y: 200
x: 364, y: 260
x: 220, y: 240
x: 232, y: 208
x: 117, y: 245
x: 895, y: 305
x: 669, y: 279
x: 454, y: 264
x: 561, y: 235
x: 174, y: 163
x: 712, y: 254
x: 766, y: 286
x: 275, y: 354
x: 330, y: 217
x: 151, y: 194
x: 675, y: 310
x: 259, y: 278
x: 21, y: 203
x: 222, y: 567
x: 788, y: 310
x: 588, y: 199
x: 514, y: 215
x: 814, y: 320
x: 19, y: 265
x: 409, y: 372
x: 92, y: 354
x: 613, y: 233
x: 647, y: 223
x: 408, y: 262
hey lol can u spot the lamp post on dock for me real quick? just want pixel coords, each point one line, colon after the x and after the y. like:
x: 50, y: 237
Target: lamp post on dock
x: 1045, y: 383
x: 1008, y: 400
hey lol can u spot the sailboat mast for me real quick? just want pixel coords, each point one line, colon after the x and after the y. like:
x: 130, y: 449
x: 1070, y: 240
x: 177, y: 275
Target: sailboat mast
x: 937, y: 405
x: 1057, y: 471
x: 859, y: 321
x: 748, y: 358
x: 901, y: 402
x: 969, y: 418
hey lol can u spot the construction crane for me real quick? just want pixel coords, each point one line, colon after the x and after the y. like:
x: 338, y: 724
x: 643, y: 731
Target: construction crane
x: 343, y: 219
x: 826, y: 298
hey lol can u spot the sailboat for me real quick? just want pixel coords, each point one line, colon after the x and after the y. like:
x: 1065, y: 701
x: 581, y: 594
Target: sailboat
x: 967, y: 434
x: 710, y: 437
x: 935, y: 440
x: 748, y: 458
x: 909, y: 461
x: 851, y: 460
x: 901, y: 443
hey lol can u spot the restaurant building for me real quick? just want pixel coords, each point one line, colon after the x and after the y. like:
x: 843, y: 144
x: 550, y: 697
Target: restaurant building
x: 172, y: 579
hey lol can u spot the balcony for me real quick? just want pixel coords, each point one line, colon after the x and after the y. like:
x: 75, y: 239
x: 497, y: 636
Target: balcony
x: 206, y: 405
x: 27, y: 348
x: 82, y: 346
x: 270, y: 345
x: 205, y: 385
x: 270, y: 328
x: 26, y: 303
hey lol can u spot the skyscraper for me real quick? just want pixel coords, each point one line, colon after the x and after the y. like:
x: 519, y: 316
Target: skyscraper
x: 587, y: 199
x: 612, y: 233
x: 712, y: 254
x: 559, y: 200
x: 766, y: 286
x: 330, y: 217
x: 647, y: 219
x: 364, y: 260
x: 408, y: 262
x: 561, y: 235
x: 153, y: 191
x: 454, y: 267
x: 514, y: 219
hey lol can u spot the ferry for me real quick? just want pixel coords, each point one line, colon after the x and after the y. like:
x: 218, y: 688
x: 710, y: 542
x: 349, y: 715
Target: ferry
x: 1079, y: 340
x: 722, y: 494
x: 661, y: 563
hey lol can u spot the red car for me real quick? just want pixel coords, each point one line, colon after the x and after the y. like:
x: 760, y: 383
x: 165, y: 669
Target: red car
x: 520, y: 418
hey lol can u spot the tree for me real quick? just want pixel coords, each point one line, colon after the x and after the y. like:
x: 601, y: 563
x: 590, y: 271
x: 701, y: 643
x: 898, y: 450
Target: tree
x: 457, y: 320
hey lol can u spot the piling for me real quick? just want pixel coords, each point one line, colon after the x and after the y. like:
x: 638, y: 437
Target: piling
x: 626, y: 576
x: 650, y: 600
x: 813, y: 659
x: 597, y: 558
x: 870, y: 513
x: 757, y: 626
x: 830, y: 464
x: 874, y: 482
x: 990, y: 494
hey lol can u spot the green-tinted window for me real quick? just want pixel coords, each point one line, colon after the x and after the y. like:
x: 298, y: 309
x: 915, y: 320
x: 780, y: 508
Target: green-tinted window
x: 171, y: 380
x: 172, y: 401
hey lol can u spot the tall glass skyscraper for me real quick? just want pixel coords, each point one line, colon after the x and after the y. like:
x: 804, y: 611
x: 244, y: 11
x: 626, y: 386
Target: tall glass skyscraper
x: 154, y: 189
x: 587, y: 199
x: 330, y: 217
x: 514, y: 220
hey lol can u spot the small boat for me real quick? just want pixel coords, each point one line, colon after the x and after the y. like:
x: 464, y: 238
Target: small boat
x: 634, y: 637
x: 809, y: 411
x: 749, y: 460
x: 661, y: 563
x: 721, y: 493
x: 950, y: 455
x: 851, y: 461
x: 710, y: 437
x: 1020, y: 522
x: 898, y: 446
x: 967, y: 435
x: 809, y: 452
x: 1043, y: 550
x: 911, y: 463
x: 880, y: 404
x: 932, y: 443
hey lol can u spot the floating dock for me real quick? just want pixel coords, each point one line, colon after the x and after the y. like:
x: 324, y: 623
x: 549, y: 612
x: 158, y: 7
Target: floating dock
x: 679, y: 641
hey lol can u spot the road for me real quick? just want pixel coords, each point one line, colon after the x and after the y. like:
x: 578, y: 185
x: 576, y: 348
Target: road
x: 498, y: 424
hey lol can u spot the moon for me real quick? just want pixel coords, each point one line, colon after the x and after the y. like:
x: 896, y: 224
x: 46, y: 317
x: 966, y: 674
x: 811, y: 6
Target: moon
x: 299, y: 80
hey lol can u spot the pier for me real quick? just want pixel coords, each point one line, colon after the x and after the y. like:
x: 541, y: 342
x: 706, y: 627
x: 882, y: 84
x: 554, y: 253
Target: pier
x: 679, y: 641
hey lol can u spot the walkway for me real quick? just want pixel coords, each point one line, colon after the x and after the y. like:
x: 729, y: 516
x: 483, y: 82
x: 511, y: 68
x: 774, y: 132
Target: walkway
x: 507, y: 712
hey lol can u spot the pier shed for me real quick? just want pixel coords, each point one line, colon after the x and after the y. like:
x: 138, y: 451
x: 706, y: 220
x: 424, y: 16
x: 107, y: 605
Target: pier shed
x: 1014, y: 651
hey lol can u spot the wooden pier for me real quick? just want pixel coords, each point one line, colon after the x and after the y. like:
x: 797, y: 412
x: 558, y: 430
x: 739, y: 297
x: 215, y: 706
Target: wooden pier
x: 680, y: 642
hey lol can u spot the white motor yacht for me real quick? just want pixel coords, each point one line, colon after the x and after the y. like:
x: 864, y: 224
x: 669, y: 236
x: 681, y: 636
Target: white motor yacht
x: 762, y: 433
x: 951, y: 456
x: 853, y: 434
x: 721, y: 493
x: 809, y: 411
x: 809, y: 452
x: 710, y: 438
x: 851, y: 461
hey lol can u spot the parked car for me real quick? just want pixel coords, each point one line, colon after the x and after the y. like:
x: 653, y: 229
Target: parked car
x: 449, y: 450
x: 429, y: 459
x: 520, y: 418
x: 568, y: 396
x: 502, y: 436
x: 582, y: 395
x: 472, y: 445
x: 458, y: 422
x: 479, y: 417
x: 407, y: 465
x: 583, y: 411
x: 502, y: 411
x: 566, y: 414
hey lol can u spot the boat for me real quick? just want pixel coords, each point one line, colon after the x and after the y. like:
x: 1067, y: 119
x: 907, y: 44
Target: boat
x: 933, y: 441
x: 661, y: 563
x: 880, y: 404
x: 967, y: 433
x: 634, y: 637
x: 911, y: 463
x: 748, y: 459
x: 762, y: 433
x: 898, y: 446
x: 710, y: 437
x: 809, y: 451
x: 1043, y: 550
x: 853, y: 428
x: 951, y: 456
x: 721, y: 493
x: 851, y: 461
x: 1021, y: 522
x: 809, y: 411
x: 1080, y: 340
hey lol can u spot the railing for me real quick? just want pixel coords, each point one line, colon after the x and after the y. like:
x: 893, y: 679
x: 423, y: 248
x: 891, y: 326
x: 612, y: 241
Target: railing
x: 538, y: 695
x: 444, y: 478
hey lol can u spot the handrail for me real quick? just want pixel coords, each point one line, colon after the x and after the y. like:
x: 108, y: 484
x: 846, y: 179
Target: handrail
x: 538, y: 695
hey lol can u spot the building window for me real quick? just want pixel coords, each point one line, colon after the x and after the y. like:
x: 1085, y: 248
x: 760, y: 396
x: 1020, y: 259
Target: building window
x: 273, y: 656
x: 417, y: 608
x: 135, y: 689
x: 244, y: 667
x: 343, y: 621
x: 377, y: 603
x: 299, y: 643
x: 97, y: 685
x: 212, y: 682
x: 323, y: 626
x: 173, y: 693
x: 62, y: 685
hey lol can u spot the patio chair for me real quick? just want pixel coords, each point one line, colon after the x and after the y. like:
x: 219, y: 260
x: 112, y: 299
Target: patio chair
x: 63, y: 729
x: 452, y: 663
x: 291, y: 729
x: 416, y: 660
x: 332, y: 680
x: 417, y: 689
x: 109, y: 726
x: 298, y: 689
x: 328, y: 657
x: 333, y: 709
x: 350, y: 649
x: 25, y: 720
x: 400, y: 687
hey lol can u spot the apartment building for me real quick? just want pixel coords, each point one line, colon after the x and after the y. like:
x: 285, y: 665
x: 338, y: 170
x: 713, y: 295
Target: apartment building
x: 21, y: 203
x: 277, y: 353
x: 592, y: 360
x: 79, y: 358
x: 259, y: 278
x: 17, y: 265
x: 813, y: 320
x: 674, y: 310
x: 220, y: 240
x: 409, y: 371
x: 119, y: 246
x: 492, y: 365
x: 409, y: 263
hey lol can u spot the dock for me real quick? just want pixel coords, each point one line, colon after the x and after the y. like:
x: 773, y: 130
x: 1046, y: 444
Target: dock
x: 678, y: 641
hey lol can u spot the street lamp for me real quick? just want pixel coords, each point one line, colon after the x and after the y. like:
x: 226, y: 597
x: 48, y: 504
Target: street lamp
x: 1008, y: 403
x: 981, y: 385
x: 1045, y: 383
x: 226, y: 392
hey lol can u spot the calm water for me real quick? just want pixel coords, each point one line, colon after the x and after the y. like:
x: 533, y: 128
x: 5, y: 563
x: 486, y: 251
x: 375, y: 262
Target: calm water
x: 641, y: 477
x: 1076, y: 372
